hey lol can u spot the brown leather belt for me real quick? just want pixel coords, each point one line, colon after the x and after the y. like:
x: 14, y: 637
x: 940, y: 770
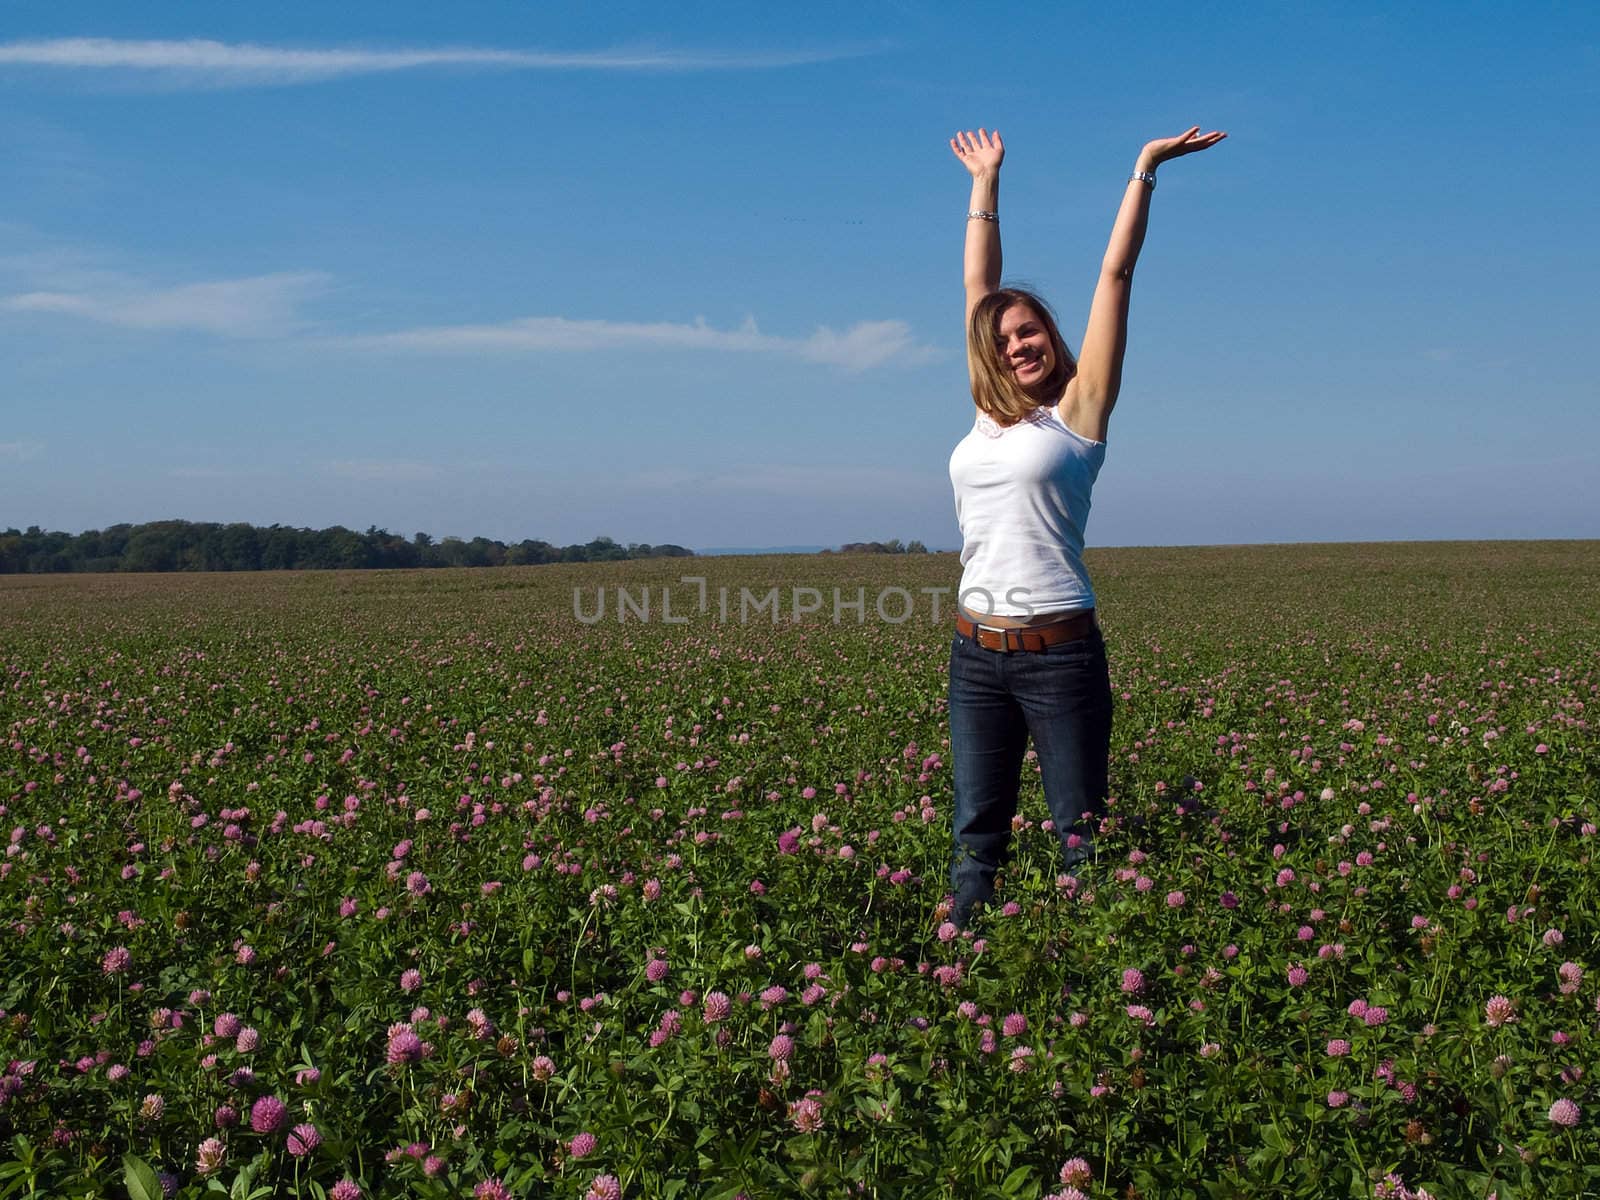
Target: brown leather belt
x: 1030, y: 638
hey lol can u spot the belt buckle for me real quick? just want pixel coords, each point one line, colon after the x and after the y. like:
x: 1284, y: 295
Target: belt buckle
x: 1005, y: 643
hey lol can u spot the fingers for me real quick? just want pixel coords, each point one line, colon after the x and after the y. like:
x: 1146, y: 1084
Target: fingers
x: 968, y: 142
x: 1187, y: 142
x: 978, y: 151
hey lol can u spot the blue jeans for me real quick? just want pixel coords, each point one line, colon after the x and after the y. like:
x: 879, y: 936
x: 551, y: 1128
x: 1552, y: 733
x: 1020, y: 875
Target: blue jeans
x: 1062, y: 697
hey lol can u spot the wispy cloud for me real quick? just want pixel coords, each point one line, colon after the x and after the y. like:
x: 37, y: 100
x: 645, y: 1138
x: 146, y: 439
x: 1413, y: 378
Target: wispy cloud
x: 382, y: 471
x: 68, y: 283
x: 864, y: 345
x: 255, y: 306
x: 20, y: 451
x: 204, y: 63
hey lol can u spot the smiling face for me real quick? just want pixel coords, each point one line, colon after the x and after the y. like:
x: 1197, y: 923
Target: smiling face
x: 1015, y: 355
x: 1024, y: 345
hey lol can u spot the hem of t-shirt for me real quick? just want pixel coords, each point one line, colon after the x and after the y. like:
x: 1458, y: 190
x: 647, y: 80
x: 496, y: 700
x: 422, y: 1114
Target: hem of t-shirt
x: 1034, y: 608
x: 1040, y: 609
x: 1055, y: 411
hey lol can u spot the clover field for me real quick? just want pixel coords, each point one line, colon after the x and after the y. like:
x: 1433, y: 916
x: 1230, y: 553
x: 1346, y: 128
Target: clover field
x: 413, y: 884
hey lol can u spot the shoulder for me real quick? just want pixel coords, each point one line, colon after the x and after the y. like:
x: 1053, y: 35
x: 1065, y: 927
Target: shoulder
x: 985, y: 425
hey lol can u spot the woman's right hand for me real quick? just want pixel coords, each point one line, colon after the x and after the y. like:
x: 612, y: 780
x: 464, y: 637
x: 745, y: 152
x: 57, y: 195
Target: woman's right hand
x: 980, y: 153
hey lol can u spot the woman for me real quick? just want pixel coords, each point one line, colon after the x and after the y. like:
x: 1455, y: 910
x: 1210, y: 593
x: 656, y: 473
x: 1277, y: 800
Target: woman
x: 1028, y: 657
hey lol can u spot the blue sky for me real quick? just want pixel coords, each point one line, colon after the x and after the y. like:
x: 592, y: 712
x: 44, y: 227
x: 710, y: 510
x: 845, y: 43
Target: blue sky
x: 691, y: 273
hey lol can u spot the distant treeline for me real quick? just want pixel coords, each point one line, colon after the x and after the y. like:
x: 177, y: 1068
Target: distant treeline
x: 205, y: 546
x: 893, y: 547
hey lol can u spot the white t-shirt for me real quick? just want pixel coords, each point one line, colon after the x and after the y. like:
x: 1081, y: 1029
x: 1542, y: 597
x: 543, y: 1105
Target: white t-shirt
x: 1022, y: 501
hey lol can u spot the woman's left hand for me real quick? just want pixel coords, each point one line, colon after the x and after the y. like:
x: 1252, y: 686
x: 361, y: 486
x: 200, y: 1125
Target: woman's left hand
x: 1191, y: 140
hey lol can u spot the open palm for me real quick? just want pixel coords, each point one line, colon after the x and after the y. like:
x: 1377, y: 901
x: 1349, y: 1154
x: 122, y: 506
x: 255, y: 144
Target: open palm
x: 1188, y: 142
x: 981, y: 152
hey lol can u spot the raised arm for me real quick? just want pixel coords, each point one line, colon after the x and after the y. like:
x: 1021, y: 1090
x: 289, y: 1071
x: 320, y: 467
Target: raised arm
x: 981, y: 153
x: 1092, y: 393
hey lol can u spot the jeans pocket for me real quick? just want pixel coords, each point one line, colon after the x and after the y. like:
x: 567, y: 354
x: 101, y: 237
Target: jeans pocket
x: 960, y: 647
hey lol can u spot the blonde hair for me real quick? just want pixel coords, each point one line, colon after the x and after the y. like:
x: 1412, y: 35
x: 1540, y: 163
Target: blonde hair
x: 995, y: 389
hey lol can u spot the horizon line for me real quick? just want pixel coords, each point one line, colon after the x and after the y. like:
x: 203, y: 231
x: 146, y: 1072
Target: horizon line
x: 799, y: 549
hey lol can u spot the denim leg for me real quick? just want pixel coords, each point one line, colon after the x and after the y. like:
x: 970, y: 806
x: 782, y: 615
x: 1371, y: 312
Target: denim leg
x: 1065, y: 693
x: 988, y: 736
